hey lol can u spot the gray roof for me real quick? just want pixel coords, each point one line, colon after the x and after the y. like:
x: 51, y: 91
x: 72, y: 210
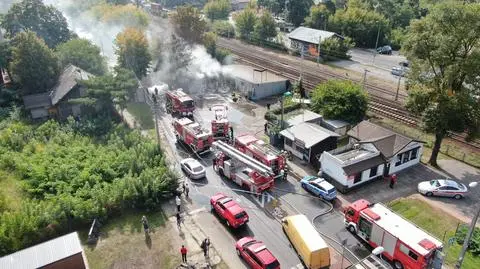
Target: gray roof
x: 336, y: 123
x: 67, y: 81
x: 251, y: 74
x: 363, y: 165
x: 305, y: 116
x: 311, y: 134
x: 37, y: 100
x: 43, y: 254
x: 311, y: 35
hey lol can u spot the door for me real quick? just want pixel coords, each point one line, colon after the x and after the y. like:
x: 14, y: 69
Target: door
x: 389, y: 242
x: 364, y: 229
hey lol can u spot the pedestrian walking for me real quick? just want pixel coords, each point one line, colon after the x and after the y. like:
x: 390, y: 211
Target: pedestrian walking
x: 145, y: 225
x: 183, y: 250
x: 186, y: 189
x: 393, y: 180
x: 265, y: 127
x: 178, y: 202
x: 205, y: 246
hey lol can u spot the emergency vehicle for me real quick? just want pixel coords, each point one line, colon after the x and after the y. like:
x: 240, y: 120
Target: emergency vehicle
x: 405, y: 245
x: 179, y: 103
x: 262, y: 151
x: 241, y: 168
x: 192, y: 134
x: 220, y: 125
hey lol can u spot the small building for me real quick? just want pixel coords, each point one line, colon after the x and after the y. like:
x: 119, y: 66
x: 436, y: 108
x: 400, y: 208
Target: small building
x: 307, y: 141
x: 372, y: 152
x: 55, y: 103
x: 61, y: 252
x: 309, y: 39
x: 239, y: 4
x: 256, y: 83
x: 338, y: 126
x: 304, y: 116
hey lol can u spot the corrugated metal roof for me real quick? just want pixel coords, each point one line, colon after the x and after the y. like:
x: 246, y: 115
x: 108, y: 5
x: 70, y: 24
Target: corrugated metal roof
x: 37, y: 100
x: 305, y: 116
x: 43, y: 254
x: 310, y: 35
x: 311, y: 134
x: 336, y: 123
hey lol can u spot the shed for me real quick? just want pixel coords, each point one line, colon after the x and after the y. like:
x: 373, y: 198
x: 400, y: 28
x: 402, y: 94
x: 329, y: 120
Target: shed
x: 307, y: 141
x: 305, y: 116
x: 309, y: 38
x: 61, y: 252
x: 37, y: 104
x: 338, y: 126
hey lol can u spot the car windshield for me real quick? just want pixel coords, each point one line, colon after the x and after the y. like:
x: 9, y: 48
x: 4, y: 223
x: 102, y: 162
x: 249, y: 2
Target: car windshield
x: 197, y: 169
x: 273, y: 265
x: 435, y: 183
x: 188, y: 103
x: 330, y: 191
x: 240, y: 215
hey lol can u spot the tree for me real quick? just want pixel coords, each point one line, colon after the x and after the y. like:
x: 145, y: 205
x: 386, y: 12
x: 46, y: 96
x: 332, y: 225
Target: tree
x: 318, y: 17
x: 265, y: 27
x: 46, y: 21
x: 210, y: 43
x: 245, y: 22
x: 5, y: 54
x: 444, y: 51
x: 34, y: 65
x: 298, y: 10
x: 275, y: 6
x: 217, y: 9
x: 189, y: 24
x: 334, y: 48
x: 132, y: 51
x: 340, y: 99
x: 223, y: 28
x: 82, y: 53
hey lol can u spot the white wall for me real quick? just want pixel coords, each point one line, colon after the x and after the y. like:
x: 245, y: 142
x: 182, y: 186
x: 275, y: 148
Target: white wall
x: 412, y: 145
x: 331, y: 166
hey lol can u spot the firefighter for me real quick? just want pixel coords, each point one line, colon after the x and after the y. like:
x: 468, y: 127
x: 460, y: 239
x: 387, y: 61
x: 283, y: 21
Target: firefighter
x: 265, y: 126
x: 285, y: 173
x: 393, y: 180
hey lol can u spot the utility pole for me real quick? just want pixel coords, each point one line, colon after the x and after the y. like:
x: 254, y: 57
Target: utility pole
x: 155, y: 109
x: 458, y: 265
x: 365, y: 78
x: 398, y: 88
x: 376, y: 44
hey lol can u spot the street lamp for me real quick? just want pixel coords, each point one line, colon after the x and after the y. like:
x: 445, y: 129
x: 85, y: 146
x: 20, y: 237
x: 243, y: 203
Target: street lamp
x: 376, y: 43
x: 286, y: 94
x: 458, y: 265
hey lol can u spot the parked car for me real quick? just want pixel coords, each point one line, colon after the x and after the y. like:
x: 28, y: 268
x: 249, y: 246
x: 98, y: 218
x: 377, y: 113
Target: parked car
x: 443, y: 187
x: 193, y: 168
x: 385, y: 50
x: 399, y: 71
x: 404, y: 63
x: 233, y: 215
x: 319, y: 187
x: 256, y: 254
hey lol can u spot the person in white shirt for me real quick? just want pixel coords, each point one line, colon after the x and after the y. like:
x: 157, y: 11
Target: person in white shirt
x: 178, y: 202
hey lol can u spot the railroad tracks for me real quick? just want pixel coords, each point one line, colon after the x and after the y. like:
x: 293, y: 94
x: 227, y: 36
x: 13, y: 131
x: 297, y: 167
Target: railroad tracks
x: 381, y: 99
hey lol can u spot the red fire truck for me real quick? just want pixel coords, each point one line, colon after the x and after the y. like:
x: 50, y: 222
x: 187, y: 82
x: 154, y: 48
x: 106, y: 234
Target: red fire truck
x: 220, y: 125
x: 192, y: 134
x: 262, y: 151
x: 179, y: 103
x: 405, y: 245
x: 241, y: 168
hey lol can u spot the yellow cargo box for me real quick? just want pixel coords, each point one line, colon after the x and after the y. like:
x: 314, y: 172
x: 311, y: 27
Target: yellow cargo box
x: 308, y: 243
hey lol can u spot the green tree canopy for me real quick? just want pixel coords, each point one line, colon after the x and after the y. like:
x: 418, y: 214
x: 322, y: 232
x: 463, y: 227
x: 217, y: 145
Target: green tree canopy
x: 217, y: 9
x: 223, y: 28
x: 210, y: 43
x: 245, y: 22
x: 189, y: 24
x: 318, y: 17
x: 5, y: 54
x: 46, y: 21
x: 132, y: 51
x: 334, y: 48
x: 298, y: 10
x: 340, y: 99
x: 444, y: 48
x: 82, y: 53
x: 265, y: 27
x: 275, y: 6
x: 34, y: 65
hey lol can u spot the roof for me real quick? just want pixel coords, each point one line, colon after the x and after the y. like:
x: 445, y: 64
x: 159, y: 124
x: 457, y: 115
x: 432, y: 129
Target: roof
x: 363, y: 165
x: 311, y: 134
x: 307, y: 232
x: 262, y: 252
x: 324, y: 184
x: 369, y: 132
x: 399, y: 227
x: 37, y: 100
x: 336, y: 123
x: 67, y: 81
x: 246, y: 139
x: 305, y: 116
x: 310, y: 35
x: 251, y: 74
x: 43, y: 254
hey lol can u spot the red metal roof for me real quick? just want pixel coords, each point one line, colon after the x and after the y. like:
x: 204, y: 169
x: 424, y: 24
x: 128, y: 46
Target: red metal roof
x: 371, y: 214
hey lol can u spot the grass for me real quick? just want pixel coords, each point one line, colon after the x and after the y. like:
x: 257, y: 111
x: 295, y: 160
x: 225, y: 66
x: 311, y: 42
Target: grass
x: 142, y: 114
x: 437, y: 223
x: 122, y: 244
x: 11, y: 194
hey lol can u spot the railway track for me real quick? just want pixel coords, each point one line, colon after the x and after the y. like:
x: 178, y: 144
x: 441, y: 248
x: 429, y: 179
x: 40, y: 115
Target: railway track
x: 381, y: 100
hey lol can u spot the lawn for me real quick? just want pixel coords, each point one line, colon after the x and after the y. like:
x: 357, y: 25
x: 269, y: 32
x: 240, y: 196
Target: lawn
x: 123, y: 244
x: 437, y: 223
x: 143, y: 114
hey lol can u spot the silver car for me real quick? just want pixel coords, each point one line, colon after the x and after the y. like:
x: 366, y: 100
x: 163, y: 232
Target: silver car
x: 193, y: 168
x: 443, y: 187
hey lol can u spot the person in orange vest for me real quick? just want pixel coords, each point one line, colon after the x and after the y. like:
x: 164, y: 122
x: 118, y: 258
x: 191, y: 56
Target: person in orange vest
x: 183, y: 250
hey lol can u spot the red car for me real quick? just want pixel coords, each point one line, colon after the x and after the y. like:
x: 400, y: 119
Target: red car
x: 256, y: 254
x: 229, y: 210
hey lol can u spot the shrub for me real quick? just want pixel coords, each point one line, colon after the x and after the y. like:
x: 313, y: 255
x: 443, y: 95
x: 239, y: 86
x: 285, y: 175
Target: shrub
x: 223, y: 28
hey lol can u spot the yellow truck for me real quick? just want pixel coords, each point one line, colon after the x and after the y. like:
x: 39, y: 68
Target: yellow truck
x: 308, y: 243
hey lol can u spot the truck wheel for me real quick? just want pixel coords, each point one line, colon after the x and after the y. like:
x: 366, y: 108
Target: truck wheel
x: 428, y: 194
x: 351, y: 228
x: 397, y: 264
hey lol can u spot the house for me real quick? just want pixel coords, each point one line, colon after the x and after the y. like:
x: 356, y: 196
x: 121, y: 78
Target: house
x: 305, y: 116
x: 61, y: 252
x: 309, y: 39
x: 55, y: 103
x: 239, y: 4
x: 372, y: 152
x: 307, y: 141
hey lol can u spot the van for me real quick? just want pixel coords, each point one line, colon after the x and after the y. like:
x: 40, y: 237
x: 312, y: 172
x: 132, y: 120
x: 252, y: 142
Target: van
x: 310, y: 246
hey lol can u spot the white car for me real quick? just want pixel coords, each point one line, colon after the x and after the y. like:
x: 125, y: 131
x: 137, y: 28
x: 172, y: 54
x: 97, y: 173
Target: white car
x: 443, y: 187
x: 193, y: 168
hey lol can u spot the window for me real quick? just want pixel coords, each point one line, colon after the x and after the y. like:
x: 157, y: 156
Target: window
x: 187, y: 166
x: 240, y: 215
x: 358, y: 178
x: 288, y: 142
x: 408, y: 252
x: 406, y: 157
x: 399, y: 160
x: 351, y: 212
x: 374, y: 171
x: 413, y: 156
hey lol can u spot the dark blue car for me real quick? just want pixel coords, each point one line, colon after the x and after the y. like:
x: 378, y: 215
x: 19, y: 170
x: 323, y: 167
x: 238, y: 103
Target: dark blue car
x: 319, y: 187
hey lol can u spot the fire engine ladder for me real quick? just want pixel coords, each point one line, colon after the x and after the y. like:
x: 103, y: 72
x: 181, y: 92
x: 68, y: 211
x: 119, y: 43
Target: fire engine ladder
x: 235, y: 154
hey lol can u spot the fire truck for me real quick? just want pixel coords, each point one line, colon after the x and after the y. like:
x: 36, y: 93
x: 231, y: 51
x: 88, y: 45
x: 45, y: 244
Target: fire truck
x: 220, y: 125
x: 179, y: 103
x: 404, y: 244
x: 262, y: 151
x: 192, y: 134
x: 241, y: 168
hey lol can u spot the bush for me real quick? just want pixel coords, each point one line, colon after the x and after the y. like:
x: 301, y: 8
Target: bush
x: 127, y: 15
x: 333, y: 48
x: 223, y: 28
x: 474, y: 244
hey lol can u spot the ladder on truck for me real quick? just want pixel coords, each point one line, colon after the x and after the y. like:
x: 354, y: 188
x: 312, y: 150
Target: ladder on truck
x: 239, y: 156
x: 219, y: 111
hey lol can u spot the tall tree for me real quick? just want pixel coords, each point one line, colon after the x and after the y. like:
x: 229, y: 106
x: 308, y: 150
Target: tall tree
x: 47, y: 21
x: 265, y: 28
x: 82, y: 53
x: 245, y: 22
x: 217, y: 9
x: 34, y: 65
x: 318, y: 17
x: 210, y: 43
x: 189, y: 24
x: 275, y: 6
x: 298, y: 10
x: 132, y: 51
x: 444, y: 48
